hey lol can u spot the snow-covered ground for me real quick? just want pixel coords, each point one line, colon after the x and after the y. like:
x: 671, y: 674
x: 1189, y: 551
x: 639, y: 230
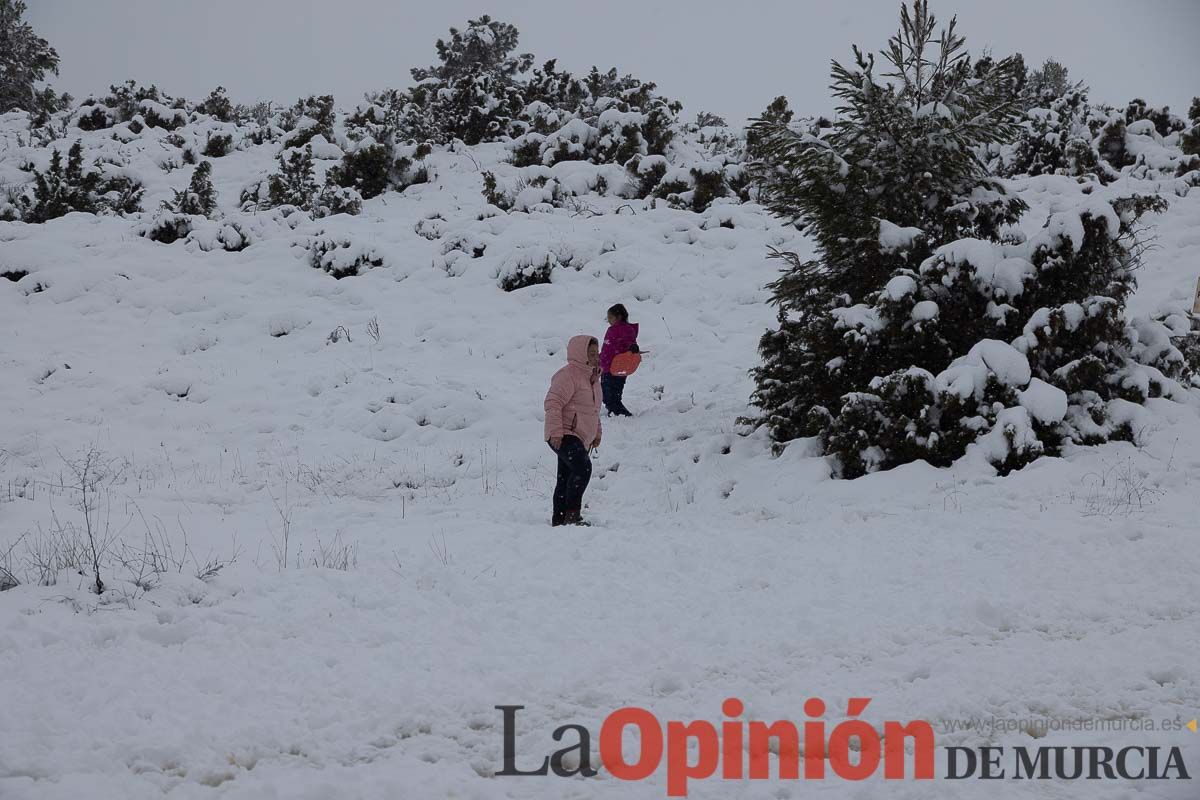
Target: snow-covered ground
x: 227, y: 426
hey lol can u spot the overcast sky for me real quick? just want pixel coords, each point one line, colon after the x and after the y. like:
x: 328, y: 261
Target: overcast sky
x: 730, y: 58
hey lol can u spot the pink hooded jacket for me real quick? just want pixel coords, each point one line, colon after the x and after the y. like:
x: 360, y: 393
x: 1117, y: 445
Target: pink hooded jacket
x: 573, y: 402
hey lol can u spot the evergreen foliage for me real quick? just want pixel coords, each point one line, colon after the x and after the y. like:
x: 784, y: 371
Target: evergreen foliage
x: 295, y: 183
x: 921, y: 328
x: 199, y: 198
x: 76, y: 186
x: 25, y: 61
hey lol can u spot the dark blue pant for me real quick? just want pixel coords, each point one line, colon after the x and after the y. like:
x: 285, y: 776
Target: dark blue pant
x: 613, y: 386
x: 574, y: 472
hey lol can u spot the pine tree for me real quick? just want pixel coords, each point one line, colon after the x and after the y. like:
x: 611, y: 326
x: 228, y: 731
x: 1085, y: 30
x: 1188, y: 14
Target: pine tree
x: 295, y: 183
x: 485, y: 47
x: 473, y: 94
x: 1048, y: 83
x: 901, y: 151
x: 776, y: 114
x: 919, y: 330
x: 25, y: 60
x: 199, y: 198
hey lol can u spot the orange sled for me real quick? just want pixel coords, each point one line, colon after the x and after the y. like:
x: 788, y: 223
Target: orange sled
x: 625, y: 364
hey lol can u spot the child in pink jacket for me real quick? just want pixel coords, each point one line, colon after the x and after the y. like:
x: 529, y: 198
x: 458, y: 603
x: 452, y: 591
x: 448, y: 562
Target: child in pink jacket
x: 573, y: 426
x: 620, y: 338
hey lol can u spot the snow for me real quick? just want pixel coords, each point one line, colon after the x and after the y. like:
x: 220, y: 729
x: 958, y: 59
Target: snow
x: 229, y: 421
x: 925, y: 311
x: 1044, y: 402
x: 900, y: 287
x: 894, y: 237
x: 1001, y: 359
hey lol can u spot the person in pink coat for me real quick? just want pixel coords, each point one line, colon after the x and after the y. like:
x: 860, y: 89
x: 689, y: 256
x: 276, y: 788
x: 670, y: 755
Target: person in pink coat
x: 573, y: 426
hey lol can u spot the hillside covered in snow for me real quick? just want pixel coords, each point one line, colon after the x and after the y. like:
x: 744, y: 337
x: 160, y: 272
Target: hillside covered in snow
x: 274, y: 497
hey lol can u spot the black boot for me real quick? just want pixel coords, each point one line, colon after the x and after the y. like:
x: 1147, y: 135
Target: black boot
x: 558, y: 518
x: 575, y: 518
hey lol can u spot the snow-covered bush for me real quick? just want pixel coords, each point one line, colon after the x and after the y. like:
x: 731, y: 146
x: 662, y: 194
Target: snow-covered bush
x: 129, y: 103
x: 527, y: 266
x: 695, y: 187
x: 984, y: 327
x: 1189, y: 139
x: 308, y: 118
x: 295, y: 183
x: 603, y: 118
x: 225, y: 235
x: 199, y: 198
x: 1071, y: 136
x: 168, y: 227
x: 542, y: 188
x: 431, y: 227
x: 95, y: 188
x: 376, y: 165
x: 532, y: 264
x: 217, y: 105
x: 217, y: 145
x: 337, y: 200
x: 342, y: 257
x: 1165, y: 123
x: 1057, y: 141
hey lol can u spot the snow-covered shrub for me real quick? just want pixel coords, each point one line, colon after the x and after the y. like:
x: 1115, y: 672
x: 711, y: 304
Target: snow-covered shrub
x: 986, y: 327
x: 93, y: 189
x: 543, y: 188
x: 199, y: 198
x: 526, y: 267
x: 342, y: 257
x: 1041, y: 87
x: 128, y: 103
x: 600, y: 128
x: 529, y: 265
x: 217, y: 105
x: 217, y: 145
x: 1189, y: 139
x: 337, y: 200
x: 1071, y: 136
x: 431, y: 227
x: 1165, y: 123
x: 493, y: 193
x: 472, y: 95
x: 168, y: 227
x: 256, y: 194
x: 295, y: 183
x: 224, y: 235
x: 695, y: 187
x: 157, y: 115
x: 308, y: 118
x: 1056, y: 141
x: 373, y: 168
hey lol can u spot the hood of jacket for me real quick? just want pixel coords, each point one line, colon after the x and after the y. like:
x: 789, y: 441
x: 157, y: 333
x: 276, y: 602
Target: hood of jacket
x: 577, y: 351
